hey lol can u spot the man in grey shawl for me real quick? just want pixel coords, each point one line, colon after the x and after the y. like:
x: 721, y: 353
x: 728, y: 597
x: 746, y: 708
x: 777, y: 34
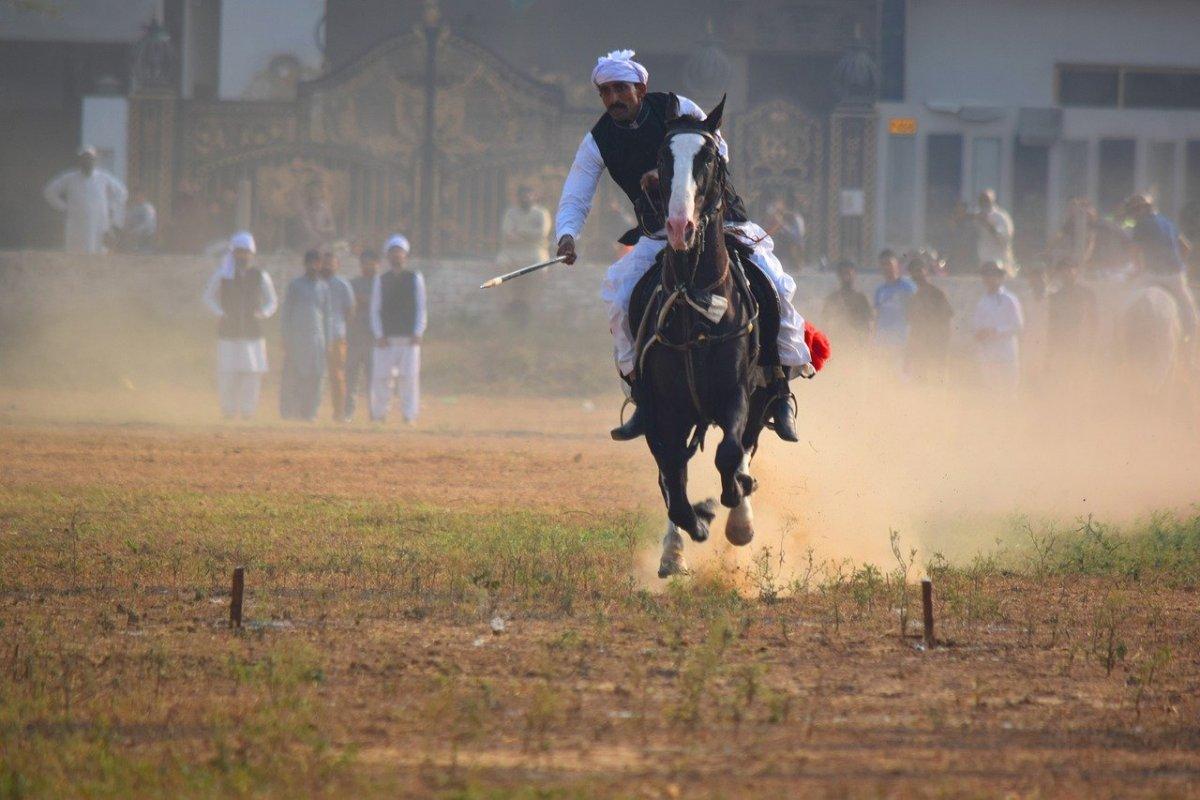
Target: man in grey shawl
x: 305, y: 319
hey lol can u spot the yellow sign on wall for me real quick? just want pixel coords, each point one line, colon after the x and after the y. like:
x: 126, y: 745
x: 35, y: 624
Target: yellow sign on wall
x: 902, y: 126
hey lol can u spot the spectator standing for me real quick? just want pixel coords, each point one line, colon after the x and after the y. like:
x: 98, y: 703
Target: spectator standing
x: 929, y: 314
x: 891, y: 299
x: 341, y: 310
x: 786, y: 226
x: 316, y: 217
x: 1075, y: 241
x: 398, y: 322
x: 93, y: 200
x: 525, y: 230
x: 995, y: 233
x: 996, y: 326
x: 1160, y: 254
x: 360, y: 343
x: 305, y: 321
x: 847, y: 312
x: 241, y: 297
x: 140, y: 234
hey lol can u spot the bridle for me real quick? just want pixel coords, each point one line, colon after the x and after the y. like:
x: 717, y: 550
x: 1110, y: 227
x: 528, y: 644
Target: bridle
x: 714, y: 205
x: 684, y: 294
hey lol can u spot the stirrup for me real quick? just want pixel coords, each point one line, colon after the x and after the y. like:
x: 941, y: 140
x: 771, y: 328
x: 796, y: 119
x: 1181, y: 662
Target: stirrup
x: 619, y: 434
x: 769, y: 422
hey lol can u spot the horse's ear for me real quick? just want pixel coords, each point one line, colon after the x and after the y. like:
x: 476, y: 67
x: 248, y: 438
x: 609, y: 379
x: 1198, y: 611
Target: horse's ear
x: 713, y: 121
x: 672, y: 107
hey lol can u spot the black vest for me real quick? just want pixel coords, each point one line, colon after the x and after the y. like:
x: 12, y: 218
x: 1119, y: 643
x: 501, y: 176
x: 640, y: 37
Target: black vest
x: 398, y: 302
x: 241, y: 298
x: 629, y: 153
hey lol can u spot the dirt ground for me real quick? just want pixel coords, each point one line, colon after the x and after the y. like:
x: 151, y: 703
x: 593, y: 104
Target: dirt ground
x: 1043, y: 685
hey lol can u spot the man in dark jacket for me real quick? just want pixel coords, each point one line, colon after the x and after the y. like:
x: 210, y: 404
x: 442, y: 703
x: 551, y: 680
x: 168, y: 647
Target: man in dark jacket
x: 929, y: 314
x: 398, y: 323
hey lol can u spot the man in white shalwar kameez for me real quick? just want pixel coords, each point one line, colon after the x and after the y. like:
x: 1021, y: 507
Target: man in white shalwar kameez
x: 996, y: 325
x: 241, y: 296
x: 94, y: 202
x: 398, y: 319
x: 625, y: 141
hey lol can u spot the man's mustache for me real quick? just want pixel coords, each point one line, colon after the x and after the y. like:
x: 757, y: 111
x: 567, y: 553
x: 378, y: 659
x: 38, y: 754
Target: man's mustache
x: 615, y: 106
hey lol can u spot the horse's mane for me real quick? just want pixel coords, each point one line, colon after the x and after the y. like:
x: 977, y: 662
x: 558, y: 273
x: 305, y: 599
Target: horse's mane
x: 685, y: 122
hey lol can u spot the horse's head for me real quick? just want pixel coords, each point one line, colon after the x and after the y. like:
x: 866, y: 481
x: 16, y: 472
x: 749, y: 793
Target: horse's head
x: 691, y: 174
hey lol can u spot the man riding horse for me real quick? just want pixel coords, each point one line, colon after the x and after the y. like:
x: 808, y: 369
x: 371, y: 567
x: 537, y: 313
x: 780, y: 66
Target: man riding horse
x: 626, y: 141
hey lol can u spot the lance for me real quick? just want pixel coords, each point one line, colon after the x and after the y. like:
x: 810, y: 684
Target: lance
x: 516, y: 273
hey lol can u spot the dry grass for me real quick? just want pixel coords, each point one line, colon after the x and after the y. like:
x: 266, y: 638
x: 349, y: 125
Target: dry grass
x: 369, y: 665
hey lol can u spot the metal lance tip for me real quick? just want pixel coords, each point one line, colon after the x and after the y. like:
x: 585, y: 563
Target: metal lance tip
x: 490, y: 284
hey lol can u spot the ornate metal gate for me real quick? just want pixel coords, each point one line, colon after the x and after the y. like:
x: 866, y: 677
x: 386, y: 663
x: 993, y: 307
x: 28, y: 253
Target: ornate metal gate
x: 427, y: 133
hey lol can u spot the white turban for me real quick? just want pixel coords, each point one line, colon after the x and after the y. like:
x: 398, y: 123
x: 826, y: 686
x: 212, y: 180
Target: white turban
x: 396, y: 241
x: 619, y: 66
x: 242, y: 240
x: 87, y: 150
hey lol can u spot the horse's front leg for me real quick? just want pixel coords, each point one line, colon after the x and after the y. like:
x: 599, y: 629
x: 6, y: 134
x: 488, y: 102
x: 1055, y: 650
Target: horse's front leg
x: 669, y: 446
x: 733, y: 462
x: 730, y: 452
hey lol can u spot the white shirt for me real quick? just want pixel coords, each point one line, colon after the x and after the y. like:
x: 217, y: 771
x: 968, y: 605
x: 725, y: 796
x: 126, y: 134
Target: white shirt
x: 377, y: 304
x: 93, y: 203
x: 995, y: 238
x: 1000, y: 313
x: 525, y: 232
x: 580, y: 187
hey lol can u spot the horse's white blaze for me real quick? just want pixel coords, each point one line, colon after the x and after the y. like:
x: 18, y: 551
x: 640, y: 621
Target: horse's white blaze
x: 672, y: 562
x: 684, y: 147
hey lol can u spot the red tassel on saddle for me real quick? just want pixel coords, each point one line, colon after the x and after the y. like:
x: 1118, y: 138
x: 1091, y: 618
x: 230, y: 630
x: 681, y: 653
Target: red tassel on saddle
x: 818, y: 345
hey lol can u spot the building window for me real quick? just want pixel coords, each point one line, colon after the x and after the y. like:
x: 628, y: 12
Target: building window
x: 891, y: 46
x: 1128, y: 87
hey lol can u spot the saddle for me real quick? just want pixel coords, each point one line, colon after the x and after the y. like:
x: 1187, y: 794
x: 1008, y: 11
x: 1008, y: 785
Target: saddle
x: 645, y: 303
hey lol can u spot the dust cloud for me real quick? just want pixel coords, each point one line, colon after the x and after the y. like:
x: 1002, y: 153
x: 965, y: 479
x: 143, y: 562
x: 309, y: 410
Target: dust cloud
x: 953, y: 470
x: 946, y: 466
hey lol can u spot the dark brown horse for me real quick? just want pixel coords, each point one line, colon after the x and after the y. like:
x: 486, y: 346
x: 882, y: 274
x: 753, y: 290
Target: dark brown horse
x: 698, y: 342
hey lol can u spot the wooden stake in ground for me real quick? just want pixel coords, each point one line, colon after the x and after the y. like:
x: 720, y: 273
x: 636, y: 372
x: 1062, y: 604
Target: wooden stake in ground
x: 235, y: 598
x: 927, y: 609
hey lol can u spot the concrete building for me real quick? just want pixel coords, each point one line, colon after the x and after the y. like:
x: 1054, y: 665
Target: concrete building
x: 1042, y: 100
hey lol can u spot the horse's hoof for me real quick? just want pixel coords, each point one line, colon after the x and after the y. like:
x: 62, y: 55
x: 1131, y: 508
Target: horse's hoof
x: 701, y: 533
x: 674, y: 566
x: 706, y: 511
x: 739, y: 534
x: 748, y: 482
x: 739, y: 528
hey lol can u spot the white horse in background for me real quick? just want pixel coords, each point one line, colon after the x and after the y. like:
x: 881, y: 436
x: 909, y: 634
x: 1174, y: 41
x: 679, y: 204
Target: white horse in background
x: 1150, y: 342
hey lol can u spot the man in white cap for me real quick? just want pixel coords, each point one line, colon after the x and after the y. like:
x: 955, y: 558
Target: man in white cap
x: 626, y: 141
x: 398, y: 322
x: 241, y: 296
x: 94, y: 202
